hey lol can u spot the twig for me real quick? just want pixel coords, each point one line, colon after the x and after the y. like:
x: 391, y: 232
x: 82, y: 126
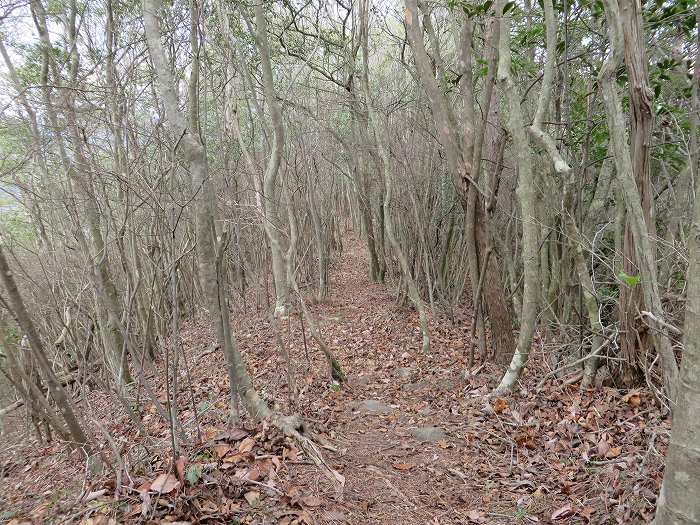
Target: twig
x: 661, y: 322
x: 578, y: 361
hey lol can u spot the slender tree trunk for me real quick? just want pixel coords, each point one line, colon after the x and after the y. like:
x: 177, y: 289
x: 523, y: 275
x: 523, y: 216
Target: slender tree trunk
x: 205, y: 210
x: 63, y: 402
x: 678, y: 502
x: 633, y: 201
x: 632, y: 329
x: 527, y: 200
x: 380, y: 133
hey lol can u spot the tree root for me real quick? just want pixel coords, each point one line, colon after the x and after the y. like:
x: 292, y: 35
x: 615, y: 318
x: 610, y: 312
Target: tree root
x: 294, y: 427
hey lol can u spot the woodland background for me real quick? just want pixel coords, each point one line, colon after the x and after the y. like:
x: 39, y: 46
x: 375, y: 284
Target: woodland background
x: 516, y: 178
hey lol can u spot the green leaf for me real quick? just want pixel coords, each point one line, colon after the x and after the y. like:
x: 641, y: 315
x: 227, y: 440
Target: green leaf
x: 485, y: 6
x: 629, y: 280
x: 508, y: 7
x: 194, y: 473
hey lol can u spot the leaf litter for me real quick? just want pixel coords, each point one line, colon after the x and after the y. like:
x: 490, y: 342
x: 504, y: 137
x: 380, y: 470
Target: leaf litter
x: 548, y: 455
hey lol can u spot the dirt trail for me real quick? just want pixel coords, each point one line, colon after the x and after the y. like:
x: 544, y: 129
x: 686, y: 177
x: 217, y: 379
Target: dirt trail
x: 421, y: 443
x: 399, y: 420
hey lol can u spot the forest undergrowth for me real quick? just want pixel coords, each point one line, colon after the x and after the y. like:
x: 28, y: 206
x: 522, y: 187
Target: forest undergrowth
x: 416, y: 439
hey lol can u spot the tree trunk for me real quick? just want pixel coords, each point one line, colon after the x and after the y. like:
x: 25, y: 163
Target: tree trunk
x: 63, y: 402
x: 527, y: 200
x: 678, y: 502
x: 632, y: 329
x: 633, y: 200
x: 205, y: 209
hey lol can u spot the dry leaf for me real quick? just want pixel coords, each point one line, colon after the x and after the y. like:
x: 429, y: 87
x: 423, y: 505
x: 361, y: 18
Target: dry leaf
x: 634, y: 399
x: 94, y: 495
x: 180, y: 468
x: 246, y: 445
x: 252, y: 497
x: 304, y: 518
x: 98, y: 520
x: 500, y: 405
x: 312, y: 501
x: 222, y: 450
x: 562, y: 512
x: 237, y: 433
x: 235, y: 458
x: 253, y: 474
x: 165, y: 483
x: 209, y: 433
x: 613, y: 452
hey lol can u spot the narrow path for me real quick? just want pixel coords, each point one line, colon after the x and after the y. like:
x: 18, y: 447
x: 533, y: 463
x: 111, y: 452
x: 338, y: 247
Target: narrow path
x: 399, y: 419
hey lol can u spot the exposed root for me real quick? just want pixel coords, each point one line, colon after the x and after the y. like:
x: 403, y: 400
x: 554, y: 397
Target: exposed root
x: 293, y: 426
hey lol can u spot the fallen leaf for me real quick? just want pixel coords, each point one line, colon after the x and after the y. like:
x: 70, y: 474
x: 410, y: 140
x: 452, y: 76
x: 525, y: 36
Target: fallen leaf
x: 246, y: 445
x: 165, y: 483
x: 236, y: 457
x: 222, y: 450
x: 476, y: 516
x: 500, y: 405
x: 562, y: 512
x: 98, y: 520
x: 292, y: 454
x: 180, y: 468
x: 252, y: 497
x: 253, y: 474
x: 634, y: 399
x: 312, y: 501
x: 237, y: 433
x: 613, y: 452
x: 94, y: 495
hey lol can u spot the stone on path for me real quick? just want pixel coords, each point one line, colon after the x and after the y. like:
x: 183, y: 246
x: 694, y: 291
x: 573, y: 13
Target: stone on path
x: 404, y: 373
x: 372, y: 406
x: 446, y: 384
x: 413, y: 387
x: 428, y: 434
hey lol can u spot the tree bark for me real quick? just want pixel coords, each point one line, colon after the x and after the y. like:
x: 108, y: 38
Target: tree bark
x: 678, y: 502
x: 632, y: 328
x: 195, y: 156
x: 527, y: 200
x: 633, y: 200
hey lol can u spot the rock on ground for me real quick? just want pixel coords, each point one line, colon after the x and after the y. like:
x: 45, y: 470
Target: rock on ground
x: 428, y: 434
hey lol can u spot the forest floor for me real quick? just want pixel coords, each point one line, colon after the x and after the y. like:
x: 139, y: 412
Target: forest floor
x: 414, y: 437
